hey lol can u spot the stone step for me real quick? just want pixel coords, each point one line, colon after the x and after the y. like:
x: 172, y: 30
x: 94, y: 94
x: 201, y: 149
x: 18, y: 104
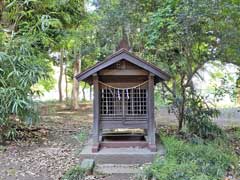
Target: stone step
x: 117, y: 168
x: 132, y: 155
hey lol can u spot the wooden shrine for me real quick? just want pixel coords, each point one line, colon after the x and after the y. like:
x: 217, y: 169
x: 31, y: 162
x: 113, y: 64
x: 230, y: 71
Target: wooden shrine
x: 123, y: 99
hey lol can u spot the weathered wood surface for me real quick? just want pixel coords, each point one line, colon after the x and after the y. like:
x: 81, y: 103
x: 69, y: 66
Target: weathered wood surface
x: 151, y: 123
x: 119, y: 124
x: 124, y: 55
x: 124, y: 109
x: 125, y: 81
x: 96, y: 106
x: 123, y: 72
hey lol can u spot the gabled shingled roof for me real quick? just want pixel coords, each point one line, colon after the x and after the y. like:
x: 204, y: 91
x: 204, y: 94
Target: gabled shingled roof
x: 126, y: 55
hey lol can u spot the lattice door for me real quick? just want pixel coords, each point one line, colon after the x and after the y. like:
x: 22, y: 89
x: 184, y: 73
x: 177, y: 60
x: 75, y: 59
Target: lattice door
x: 123, y: 102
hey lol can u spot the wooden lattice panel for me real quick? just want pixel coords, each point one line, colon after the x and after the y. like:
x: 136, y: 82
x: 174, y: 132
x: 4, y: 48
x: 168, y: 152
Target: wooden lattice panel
x: 111, y: 102
x: 136, y: 102
x: 123, y: 101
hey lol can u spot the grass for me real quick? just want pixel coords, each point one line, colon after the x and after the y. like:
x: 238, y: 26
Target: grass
x: 75, y: 173
x: 237, y: 133
x: 81, y: 136
x: 193, y: 161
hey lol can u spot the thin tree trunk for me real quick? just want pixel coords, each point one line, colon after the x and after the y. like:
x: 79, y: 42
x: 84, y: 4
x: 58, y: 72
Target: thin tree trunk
x: 83, y: 91
x: 60, y: 75
x: 75, y: 90
x: 180, y: 116
x: 66, y: 86
x: 238, y: 95
x: 182, y: 108
x: 180, y: 120
x: 90, y: 92
x: 1, y: 9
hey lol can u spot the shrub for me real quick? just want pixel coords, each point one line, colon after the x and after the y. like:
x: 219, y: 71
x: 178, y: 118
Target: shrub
x: 237, y: 133
x: 75, y: 173
x: 198, y: 118
x: 186, y: 161
x: 20, y: 68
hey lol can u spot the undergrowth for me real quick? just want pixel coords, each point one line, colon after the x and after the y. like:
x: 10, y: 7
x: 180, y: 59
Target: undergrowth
x: 81, y: 136
x: 186, y: 160
x: 237, y: 133
x: 75, y: 173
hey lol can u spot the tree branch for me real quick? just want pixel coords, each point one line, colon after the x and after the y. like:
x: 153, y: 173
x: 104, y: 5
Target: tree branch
x: 199, y: 66
x: 168, y: 88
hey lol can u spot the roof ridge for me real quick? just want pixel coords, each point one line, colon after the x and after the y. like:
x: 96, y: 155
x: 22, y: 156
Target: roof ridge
x: 117, y: 53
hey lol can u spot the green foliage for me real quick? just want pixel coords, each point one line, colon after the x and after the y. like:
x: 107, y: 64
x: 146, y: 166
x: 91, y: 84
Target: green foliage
x: 226, y: 87
x: 32, y: 30
x: 237, y: 133
x: 160, y: 97
x: 75, y: 173
x: 182, y: 36
x: 46, y: 84
x: 159, y: 102
x: 198, y: 118
x: 82, y: 136
x: 228, y: 27
x: 179, y: 36
x: 21, y: 67
x: 118, y: 18
x: 186, y: 161
x: 179, y: 41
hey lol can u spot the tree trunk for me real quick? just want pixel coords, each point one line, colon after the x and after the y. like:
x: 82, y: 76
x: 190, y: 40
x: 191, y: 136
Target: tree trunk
x: 75, y: 90
x: 83, y: 91
x: 90, y: 92
x: 182, y: 109
x: 66, y: 86
x: 180, y: 120
x: 60, y: 75
x: 1, y: 10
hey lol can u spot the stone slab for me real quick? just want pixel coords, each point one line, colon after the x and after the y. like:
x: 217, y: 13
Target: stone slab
x: 88, y: 165
x: 117, y: 168
x: 132, y: 155
x: 120, y: 177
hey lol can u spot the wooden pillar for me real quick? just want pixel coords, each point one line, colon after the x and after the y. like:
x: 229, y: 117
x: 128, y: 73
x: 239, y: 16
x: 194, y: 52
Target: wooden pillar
x: 95, y: 147
x: 151, y: 121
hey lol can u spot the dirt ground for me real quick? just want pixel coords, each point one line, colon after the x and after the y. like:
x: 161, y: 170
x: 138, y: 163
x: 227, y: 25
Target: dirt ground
x: 53, y: 151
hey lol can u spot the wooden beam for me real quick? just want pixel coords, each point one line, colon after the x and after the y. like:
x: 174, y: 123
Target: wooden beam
x: 124, y: 144
x: 119, y: 124
x: 123, y: 79
x: 124, y: 85
x: 151, y: 122
x: 123, y: 72
x: 96, y: 104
